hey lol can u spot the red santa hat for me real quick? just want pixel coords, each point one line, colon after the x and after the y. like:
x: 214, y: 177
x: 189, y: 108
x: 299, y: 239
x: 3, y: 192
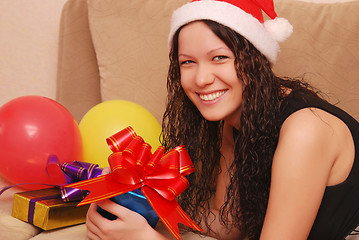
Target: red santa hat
x: 243, y: 16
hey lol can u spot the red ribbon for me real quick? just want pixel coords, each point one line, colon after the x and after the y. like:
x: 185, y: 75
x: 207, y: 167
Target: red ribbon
x: 160, y: 176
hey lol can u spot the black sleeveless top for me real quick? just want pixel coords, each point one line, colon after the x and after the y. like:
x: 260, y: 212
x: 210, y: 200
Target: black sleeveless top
x: 338, y: 214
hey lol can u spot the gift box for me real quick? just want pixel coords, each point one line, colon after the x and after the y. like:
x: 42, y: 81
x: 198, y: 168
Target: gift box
x: 45, y: 209
x: 143, y: 181
x: 135, y: 201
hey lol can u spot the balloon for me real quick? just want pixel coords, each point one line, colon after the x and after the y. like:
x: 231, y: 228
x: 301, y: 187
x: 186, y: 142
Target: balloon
x: 31, y: 129
x: 108, y: 118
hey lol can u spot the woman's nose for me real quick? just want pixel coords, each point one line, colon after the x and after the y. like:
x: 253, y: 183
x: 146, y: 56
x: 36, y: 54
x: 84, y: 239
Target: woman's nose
x: 204, y: 76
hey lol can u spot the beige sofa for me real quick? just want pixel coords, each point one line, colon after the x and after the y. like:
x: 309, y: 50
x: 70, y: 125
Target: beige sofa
x: 117, y: 49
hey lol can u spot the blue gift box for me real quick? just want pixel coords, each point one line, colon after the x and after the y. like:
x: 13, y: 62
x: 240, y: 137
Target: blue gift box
x: 135, y: 201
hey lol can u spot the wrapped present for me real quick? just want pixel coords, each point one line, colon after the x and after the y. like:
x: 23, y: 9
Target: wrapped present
x: 160, y: 177
x: 45, y: 209
x: 135, y: 201
x: 55, y: 207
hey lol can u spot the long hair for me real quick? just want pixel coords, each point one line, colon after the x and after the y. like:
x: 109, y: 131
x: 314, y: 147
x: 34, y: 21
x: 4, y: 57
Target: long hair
x: 255, y: 142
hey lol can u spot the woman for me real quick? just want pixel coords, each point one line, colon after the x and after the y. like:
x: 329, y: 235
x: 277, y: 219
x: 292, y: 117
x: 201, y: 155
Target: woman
x: 273, y: 160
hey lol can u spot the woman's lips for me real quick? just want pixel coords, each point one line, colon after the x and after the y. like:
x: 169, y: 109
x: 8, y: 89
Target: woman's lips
x: 211, y: 96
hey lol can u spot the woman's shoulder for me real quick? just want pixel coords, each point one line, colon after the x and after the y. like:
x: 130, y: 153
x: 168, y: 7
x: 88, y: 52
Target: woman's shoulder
x: 301, y: 166
x: 323, y: 138
x: 296, y: 101
x: 311, y: 114
x: 309, y: 125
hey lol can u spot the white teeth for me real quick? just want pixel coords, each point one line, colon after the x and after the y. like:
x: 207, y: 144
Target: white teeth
x: 212, y: 96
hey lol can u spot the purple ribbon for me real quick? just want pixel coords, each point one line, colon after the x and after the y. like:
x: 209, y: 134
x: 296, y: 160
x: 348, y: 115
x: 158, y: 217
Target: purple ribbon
x: 62, y: 175
x: 74, y: 172
x: 69, y: 173
x: 32, y: 203
x: 2, y: 190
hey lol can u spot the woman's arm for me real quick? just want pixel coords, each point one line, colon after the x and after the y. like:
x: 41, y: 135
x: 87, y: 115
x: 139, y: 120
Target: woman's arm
x: 302, y: 164
x: 129, y: 225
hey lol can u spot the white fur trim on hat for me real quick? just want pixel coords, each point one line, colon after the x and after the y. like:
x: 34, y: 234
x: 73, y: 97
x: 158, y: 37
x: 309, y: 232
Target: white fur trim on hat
x: 279, y: 28
x: 232, y: 17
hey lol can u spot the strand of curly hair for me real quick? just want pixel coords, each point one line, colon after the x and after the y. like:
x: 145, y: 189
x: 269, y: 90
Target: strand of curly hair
x: 255, y: 143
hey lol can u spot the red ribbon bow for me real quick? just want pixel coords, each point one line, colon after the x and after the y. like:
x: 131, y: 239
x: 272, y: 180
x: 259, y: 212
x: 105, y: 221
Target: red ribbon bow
x: 160, y: 177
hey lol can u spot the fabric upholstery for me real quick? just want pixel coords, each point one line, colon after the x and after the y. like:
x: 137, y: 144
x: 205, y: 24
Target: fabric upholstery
x: 78, y: 85
x: 324, y: 46
x: 13, y: 228
x: 130, y: 39
x: 130, y: 43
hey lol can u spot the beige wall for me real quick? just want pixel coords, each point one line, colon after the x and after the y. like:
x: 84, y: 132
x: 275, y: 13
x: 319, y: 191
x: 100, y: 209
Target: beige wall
x: 28, y: 47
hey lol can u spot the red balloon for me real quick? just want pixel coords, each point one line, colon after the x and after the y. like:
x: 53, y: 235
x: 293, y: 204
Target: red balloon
x: 31, y: 129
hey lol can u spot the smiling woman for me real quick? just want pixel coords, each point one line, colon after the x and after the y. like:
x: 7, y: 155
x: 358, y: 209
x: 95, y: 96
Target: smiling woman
x: 263, y: 137
x: 208, y: 74
x: 95, y: 36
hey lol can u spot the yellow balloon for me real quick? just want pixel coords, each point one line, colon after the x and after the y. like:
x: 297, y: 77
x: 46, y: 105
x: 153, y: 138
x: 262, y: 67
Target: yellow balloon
x: 110, y: 117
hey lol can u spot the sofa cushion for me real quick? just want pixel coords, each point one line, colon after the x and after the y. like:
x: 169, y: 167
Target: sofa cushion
x: 130, y: 42
x: 324, y: 46
x: 10, y: 227
x: 130, y: 39
x: 78, y: 80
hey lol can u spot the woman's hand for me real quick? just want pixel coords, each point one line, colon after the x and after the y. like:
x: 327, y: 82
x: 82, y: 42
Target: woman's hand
x: 129, y: 224
x: 106, y: 170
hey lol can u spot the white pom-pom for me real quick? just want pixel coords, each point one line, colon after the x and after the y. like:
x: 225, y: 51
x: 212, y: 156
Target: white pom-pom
x: 279, y: 28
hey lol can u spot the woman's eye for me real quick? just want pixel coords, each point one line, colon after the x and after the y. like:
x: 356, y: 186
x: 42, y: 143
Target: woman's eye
x: 186, y: 62
x: 221, y: 57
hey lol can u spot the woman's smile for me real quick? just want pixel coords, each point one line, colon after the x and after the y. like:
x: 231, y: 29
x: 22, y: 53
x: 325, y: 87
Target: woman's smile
x: 210, y: 97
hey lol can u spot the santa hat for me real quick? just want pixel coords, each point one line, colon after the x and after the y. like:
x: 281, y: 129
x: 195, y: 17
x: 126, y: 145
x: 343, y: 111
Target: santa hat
x: 243, y: 16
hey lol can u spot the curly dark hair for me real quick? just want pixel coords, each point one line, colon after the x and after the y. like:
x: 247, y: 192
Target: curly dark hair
x: 255, y: 142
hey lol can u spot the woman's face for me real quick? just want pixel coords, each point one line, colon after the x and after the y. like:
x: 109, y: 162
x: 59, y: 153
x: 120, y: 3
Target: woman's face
x: 208, y: 74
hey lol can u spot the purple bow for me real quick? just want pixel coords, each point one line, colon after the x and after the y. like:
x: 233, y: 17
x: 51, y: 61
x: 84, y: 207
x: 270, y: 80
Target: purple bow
x: 68, y: 173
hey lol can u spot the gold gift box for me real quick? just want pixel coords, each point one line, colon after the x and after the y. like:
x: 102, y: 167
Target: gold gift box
x: 48, y: 211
